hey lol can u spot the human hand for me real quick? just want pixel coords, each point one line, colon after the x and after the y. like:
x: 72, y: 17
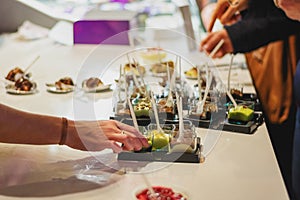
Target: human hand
x: 212, y: 39
x: 226, y: 13
x: 98, y: 135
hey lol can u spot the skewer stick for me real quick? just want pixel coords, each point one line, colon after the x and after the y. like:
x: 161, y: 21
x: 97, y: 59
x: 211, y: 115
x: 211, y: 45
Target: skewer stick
x: 229, y: 71
x: 231, y: 98
x: 31, y: 64
x: 181, y: 125
x: 132, y: 114
x: 155, y: 113
x: 153, y: 195
x: 199, y: 82
x: 216, y: 49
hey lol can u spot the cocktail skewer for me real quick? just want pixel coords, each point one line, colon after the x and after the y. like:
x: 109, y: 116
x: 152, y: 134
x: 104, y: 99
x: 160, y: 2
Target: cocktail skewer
x: 31, y: 64
x: 180, y: 116
x: 135, y: 124
x: 153, y: 195
x: 229, y: 72
x: 155, y: 113
x: 216, y: 49
x: 170, y: 102
x: 199, y: 82
x: 201, y: 103
x: 231, y: 98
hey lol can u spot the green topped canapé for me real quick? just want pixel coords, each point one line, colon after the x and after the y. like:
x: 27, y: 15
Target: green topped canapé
x: 241, y: 113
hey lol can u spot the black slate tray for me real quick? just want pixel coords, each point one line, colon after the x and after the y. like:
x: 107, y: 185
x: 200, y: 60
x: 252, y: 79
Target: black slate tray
x: 247, y: 128
x: 163, y: 156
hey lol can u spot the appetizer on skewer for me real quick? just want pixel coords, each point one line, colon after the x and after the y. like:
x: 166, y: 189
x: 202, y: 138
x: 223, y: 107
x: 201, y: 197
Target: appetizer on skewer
x: 64, y: 83
x: 15, y: 74
x: 137, y: 69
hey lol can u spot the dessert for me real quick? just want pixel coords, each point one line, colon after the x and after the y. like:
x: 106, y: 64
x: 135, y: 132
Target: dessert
x: 208, y: 109
x: 24, y: 84
x: 161, y: 192
x: 159, y: 139
x: 137, y: 69
x: 236, y: 93
x: 162, y: 67
x: 241, y: 113
x: 64, y: 83
x: 153, y: 54
x: 14, y: 74
x: 142, y: 108
x: 192, y: 73
x: 92, y: 83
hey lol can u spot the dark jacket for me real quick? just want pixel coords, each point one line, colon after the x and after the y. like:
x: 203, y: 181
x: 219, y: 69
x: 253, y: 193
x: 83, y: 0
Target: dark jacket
x: 261, y: 24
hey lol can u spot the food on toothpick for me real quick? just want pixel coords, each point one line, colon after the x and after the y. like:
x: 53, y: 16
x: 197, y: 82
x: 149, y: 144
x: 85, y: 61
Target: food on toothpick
x: 191, y: 73
x: 159, y: 139
x: 241, y: 113
x: 64, y: 83
x: 136, y: 68
x: 15, y: 74
x: 24, y: 84
x: 208, y: 109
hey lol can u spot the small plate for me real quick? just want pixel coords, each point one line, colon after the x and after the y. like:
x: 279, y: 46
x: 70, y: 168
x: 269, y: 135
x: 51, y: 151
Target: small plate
x: 51, y: 88
x: 58, y: 91
x: 10, y: 88
x: 97, y: 89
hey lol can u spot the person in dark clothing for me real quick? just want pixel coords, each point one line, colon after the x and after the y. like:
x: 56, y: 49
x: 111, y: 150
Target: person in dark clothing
x: 292, y: 10
x: 261, y: 24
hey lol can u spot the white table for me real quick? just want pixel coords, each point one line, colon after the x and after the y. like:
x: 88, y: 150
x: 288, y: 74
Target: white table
x: 240, y: 166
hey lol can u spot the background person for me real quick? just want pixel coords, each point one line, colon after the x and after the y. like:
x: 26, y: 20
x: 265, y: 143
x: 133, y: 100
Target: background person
x: 272, y: 67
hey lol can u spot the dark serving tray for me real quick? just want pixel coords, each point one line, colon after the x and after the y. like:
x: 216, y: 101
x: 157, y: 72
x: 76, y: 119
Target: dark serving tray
x: 247, y: 128
x: 142, y: 121
x: 163, y: 156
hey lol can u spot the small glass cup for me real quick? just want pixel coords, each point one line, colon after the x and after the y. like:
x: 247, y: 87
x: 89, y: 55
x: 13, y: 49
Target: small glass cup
x: 188, y: 137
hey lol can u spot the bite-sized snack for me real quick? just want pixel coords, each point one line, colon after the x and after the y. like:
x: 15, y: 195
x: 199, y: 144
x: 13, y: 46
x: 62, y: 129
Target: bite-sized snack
x: 64, y: 83
x: 24, y: 84
x: 139, y: 93
x: 161, y: 193
x: 208, y: 109
x: 236, y: 93
x: 15, y: 74
x: 159, y: 139
x: 137, y: 69
x: 241, y: 113
x: 142, y: 108
x: 162, y: 67
x: 92, y: 83
x: 192, y: 73
x: 153, y: 54
x: 166, y: 110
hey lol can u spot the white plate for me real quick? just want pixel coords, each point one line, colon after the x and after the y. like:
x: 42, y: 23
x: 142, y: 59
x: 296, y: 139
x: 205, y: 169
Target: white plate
x: 51, y: 88
x: 10, y: 88
x: 97, y: 89
x: 58, y: 91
